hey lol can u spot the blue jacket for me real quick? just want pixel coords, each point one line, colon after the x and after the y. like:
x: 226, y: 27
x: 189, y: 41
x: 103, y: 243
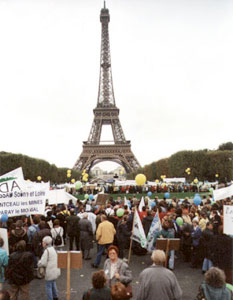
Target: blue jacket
x: 196, y: 234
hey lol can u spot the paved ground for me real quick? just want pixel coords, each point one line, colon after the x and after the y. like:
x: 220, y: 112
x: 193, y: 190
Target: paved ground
x: 189, y: 279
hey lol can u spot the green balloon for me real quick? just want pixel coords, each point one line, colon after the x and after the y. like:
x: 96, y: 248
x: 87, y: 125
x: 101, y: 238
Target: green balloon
x: 229, y: 286
x: 120, y: 212
x: 78, y: 185
x: 86, y: 196
x: 211, y: 190
x: 179, y: 221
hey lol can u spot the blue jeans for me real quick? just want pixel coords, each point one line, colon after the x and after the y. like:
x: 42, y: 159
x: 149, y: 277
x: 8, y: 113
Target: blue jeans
x: 51, y: 289
x: 207, y: 264
x: 100, y: 250
x: 171, y: 259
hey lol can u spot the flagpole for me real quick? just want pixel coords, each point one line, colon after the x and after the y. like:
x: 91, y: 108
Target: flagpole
x: 131, y: 238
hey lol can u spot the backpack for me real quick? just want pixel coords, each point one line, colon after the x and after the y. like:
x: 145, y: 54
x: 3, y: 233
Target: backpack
x: 58, y: 239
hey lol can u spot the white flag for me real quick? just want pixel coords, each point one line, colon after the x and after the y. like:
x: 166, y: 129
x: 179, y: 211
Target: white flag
x: 142, y: 203
x: 154, y: 228
x: 138, y: 231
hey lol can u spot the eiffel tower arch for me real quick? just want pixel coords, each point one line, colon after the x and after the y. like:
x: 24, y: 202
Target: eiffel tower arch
x: 106, y: 113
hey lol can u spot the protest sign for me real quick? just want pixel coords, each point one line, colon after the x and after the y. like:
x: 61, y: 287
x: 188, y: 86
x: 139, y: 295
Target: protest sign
x: 17, y: 173
x: 228, y: 219
x: 19, y: 197
x: 223, y: 193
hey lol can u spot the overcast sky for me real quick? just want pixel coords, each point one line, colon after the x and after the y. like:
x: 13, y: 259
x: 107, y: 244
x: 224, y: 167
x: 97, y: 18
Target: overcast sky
x: 172, y: 66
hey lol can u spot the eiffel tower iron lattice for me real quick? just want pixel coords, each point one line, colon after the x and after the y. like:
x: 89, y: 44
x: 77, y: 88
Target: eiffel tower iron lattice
x: 106, y: 113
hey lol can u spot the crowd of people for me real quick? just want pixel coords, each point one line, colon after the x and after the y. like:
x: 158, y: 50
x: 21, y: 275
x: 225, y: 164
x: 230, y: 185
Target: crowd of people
x: 35, y: 240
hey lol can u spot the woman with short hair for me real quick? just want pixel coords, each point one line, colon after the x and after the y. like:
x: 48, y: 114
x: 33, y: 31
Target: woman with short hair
x: 214, y: 286
x: 99, y: 291
x: 116, y: 270
x: 52, y: 272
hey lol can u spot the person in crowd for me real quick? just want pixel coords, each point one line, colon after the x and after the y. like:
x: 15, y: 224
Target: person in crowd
x: 116, y: 269
x: 16, y: 235
x: 166, y: 233
x: 196, y: 235
x: 99, y: 291
x: 185, y: 215
x: 52, y: 272
x: 119, y: 292
x: 214, y: 286
x: 19, y: 272
x: 4, y: 295
x: 86, y: 236
x: 122, y: 235
x: 73, y: 229
x: 146, y: 222
x: 3, y: 262
x: 205, y: 246
x: 32, y: 229
x: 221, y: 253
x: 104, y: 237
x: 62, y: 221
x: 203, y: 221
x: 186, y: 242
x: 216, y: 220
x: 38, y: 237
x: 57, y: 235
x: 157, y: 281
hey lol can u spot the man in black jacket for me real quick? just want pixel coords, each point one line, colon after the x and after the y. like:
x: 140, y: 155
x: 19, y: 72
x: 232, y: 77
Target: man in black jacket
x: 73, y: 230
x: 20, y: 271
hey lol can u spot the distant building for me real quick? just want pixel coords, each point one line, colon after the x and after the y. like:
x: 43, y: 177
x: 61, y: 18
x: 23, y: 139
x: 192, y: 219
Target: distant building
x: 117, y: 174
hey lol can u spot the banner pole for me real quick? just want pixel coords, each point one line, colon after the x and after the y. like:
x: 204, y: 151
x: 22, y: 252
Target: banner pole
x: 68, y: 276
x: 131, y: 240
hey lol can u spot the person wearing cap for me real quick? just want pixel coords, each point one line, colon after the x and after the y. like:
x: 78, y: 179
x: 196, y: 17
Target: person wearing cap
x: 52, y: 272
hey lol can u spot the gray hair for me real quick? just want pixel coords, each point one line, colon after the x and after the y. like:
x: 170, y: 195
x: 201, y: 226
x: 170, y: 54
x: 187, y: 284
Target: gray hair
x: 215, y: 277
x: 47, y: 240
x: 85, y: 215
x: 158, y: 257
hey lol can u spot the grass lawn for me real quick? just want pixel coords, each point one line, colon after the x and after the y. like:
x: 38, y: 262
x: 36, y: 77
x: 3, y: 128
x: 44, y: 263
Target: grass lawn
x: 160, y: 195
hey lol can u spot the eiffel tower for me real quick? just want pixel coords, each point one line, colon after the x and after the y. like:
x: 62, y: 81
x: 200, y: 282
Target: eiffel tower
x: 106, y: 113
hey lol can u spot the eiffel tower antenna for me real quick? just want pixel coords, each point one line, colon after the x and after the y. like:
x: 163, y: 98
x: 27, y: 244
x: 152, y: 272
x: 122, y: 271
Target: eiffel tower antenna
x: 106, y: 113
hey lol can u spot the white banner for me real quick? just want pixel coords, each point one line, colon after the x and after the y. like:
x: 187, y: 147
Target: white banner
x: 141, y: 204
x: 223, y: 193
x: 20, y: 197
x: 154, y: 228
x: 138, y: 231
x: 60, y: 196
x: 17, y: 173
x: 228, y: 219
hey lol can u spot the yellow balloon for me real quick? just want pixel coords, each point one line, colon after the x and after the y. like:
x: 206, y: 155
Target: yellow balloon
x: 68, y: 171
x: 39, y: 178
x: 157, y: 181
x: 140, y: 179
x: 195, y: 180
x: 68, y: 175
x: 216, y: 175
x: 73, y: 180
x: 189, y: 173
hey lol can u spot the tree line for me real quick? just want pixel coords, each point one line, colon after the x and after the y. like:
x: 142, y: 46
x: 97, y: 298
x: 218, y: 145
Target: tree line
x: 204, y: 165
x: 33, y: 167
